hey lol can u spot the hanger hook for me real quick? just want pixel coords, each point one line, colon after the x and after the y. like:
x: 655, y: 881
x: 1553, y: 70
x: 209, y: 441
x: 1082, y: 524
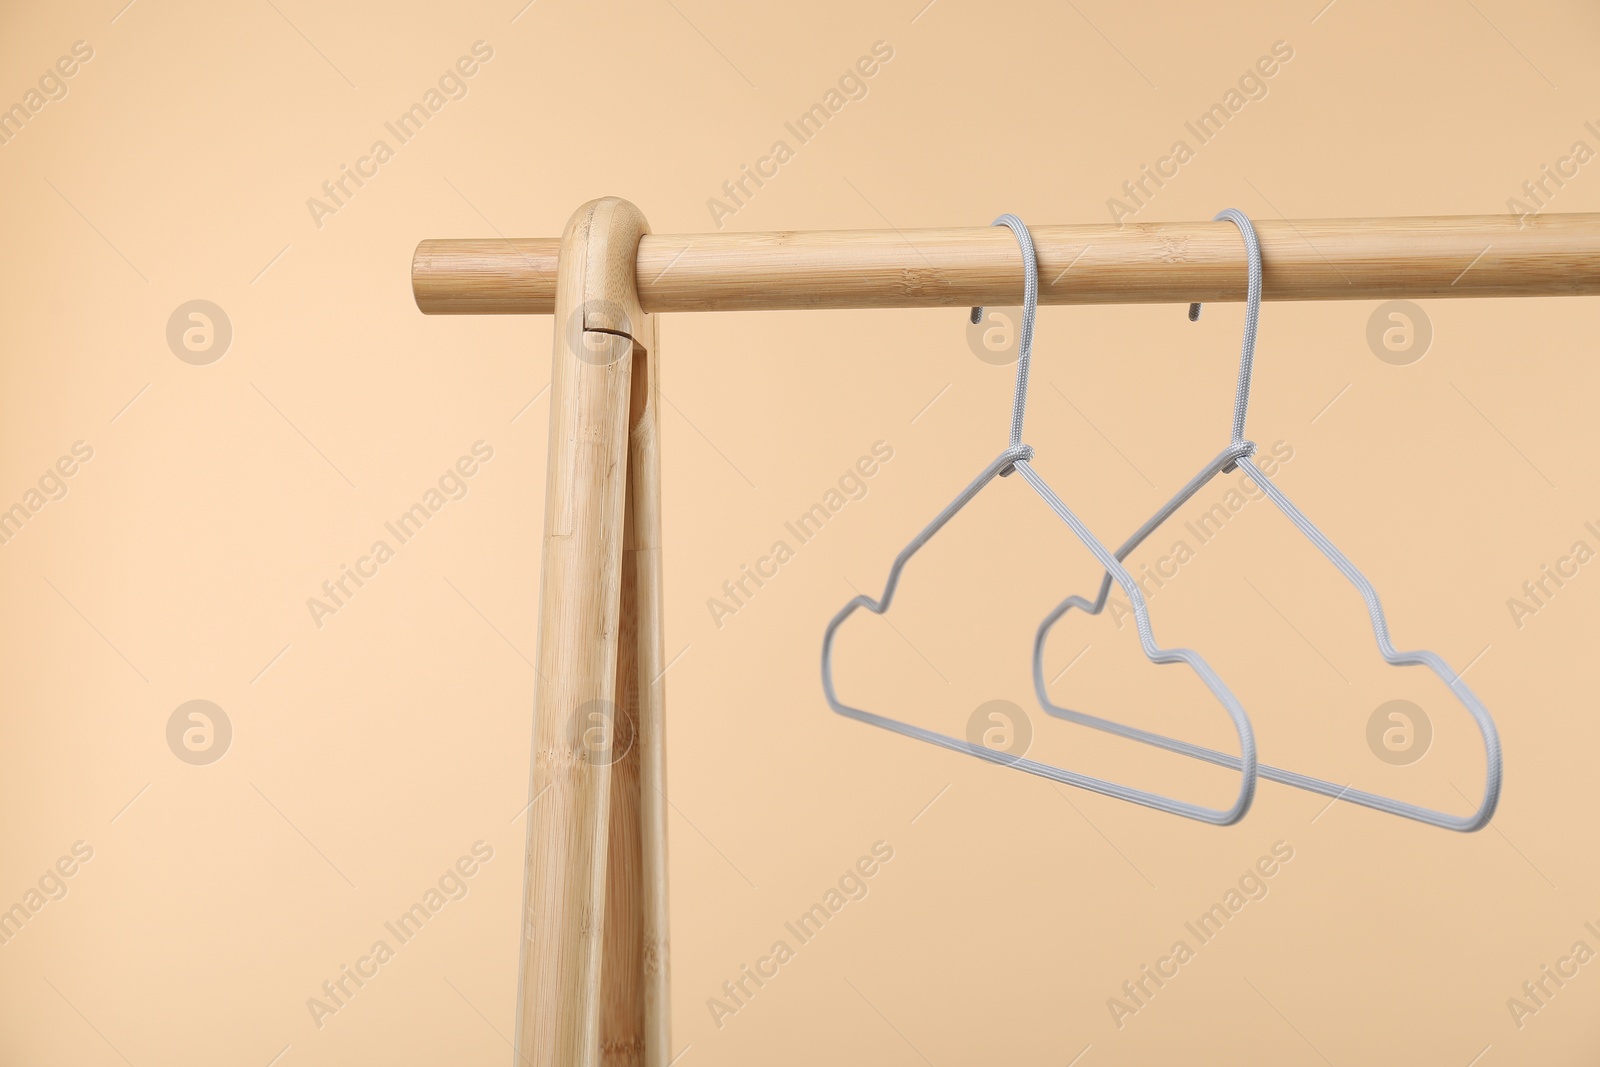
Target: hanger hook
x: 1252, y: 319
x: 1030, y: 306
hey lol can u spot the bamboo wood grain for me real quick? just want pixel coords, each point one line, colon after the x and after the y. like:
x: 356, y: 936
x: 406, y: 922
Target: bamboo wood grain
x: 1169, y: 262
x: 564, y: 905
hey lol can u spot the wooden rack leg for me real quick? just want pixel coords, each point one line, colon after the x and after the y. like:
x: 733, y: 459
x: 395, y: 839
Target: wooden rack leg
x: 593, y: 962
x: 634, y: 979
x: 644, y: 560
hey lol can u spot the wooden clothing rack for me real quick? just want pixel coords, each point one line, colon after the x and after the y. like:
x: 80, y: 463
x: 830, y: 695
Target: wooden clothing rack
x: 594, y: 961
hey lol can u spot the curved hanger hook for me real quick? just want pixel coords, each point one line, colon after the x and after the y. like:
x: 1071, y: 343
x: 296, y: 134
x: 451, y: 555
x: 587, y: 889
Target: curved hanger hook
x: 1491, y: 738
x: 1252, y: 319
x: 1030, y: 306
x: 1015, y: 457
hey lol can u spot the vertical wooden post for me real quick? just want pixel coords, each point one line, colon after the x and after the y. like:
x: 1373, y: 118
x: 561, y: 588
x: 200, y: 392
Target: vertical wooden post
x: 645, y: 584
x: 634, y: 976
x: 593, y: 971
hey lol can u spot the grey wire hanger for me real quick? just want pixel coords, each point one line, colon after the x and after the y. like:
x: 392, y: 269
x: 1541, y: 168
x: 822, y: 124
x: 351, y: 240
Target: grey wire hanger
x: 1016, y: 457
x: 1238, y: 453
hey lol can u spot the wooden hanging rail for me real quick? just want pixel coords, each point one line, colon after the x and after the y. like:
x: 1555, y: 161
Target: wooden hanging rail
x: 1140, y: 263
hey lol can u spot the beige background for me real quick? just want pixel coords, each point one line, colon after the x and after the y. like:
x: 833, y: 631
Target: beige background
x: 372, y: 752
